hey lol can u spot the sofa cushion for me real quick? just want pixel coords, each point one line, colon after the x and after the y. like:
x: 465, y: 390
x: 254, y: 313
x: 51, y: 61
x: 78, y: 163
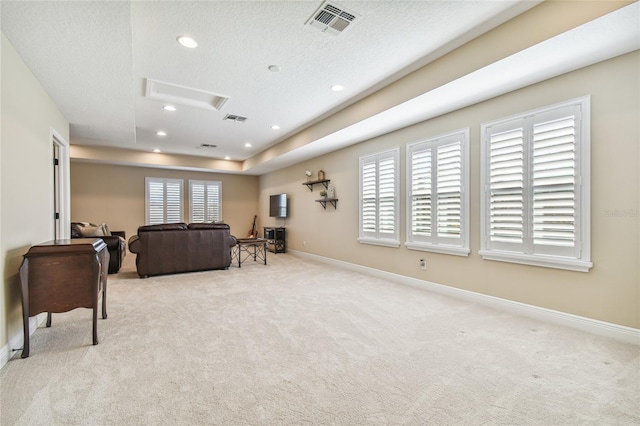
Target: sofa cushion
x: 207, y: 225
x: 91, y: 230
x: 162, y: 227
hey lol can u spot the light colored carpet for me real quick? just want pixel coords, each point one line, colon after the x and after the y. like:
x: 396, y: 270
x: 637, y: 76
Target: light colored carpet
x: 298, y: 342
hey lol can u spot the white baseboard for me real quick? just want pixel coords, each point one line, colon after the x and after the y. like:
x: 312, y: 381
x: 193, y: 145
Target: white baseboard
x: 589, y: 325
x: 15, y: 344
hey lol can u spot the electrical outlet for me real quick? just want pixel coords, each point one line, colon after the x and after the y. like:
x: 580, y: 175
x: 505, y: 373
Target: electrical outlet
x: 304, y: 243
x: 423, y: 264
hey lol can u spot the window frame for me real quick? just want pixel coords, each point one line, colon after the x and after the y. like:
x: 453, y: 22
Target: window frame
x: 434, y: 243
x: 524, y: 252
x: 164, y: 181
x: 377, y: 237
x: 207, y: 184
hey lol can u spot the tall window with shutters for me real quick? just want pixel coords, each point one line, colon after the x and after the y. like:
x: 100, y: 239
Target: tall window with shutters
x: 205, y: 201
x: 379, y: 198
x: 163, y: 200
x: 438, y: 194
x: 535, y: 176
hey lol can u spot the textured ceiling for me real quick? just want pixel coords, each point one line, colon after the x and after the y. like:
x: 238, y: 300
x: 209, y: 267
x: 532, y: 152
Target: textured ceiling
x: 93, y: 59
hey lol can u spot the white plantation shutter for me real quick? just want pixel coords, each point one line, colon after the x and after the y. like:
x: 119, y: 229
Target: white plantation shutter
x: 421, y: 194
x: 196, y: 201
x: 379, y: 185
x: 554, y: 184
x: 369, y: 191
x: 387, y: 192
x: 437, y: 181
x: 205, y: 201
x: 163, y: 200
x: 449, y: 175
x: 506, y: 188
x: 536, y: 202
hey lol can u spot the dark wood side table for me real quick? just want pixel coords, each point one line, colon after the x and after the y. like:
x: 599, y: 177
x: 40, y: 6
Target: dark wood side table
x: 61, y: 275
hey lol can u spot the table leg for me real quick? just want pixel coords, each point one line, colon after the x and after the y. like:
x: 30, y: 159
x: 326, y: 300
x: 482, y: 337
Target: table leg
x: 95, y: 325
x: 24, y: 283
x: 104, y: 303
x: 98, y: 270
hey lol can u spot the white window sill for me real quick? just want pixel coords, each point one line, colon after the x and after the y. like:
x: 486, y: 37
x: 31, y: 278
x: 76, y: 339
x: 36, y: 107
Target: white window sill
x: 457, y: 251
x: 376, y: 242
x: 538, y: 260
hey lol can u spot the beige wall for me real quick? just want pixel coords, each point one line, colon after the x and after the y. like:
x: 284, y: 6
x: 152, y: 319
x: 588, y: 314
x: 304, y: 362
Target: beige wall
x: 115, y: 195
x: 28, y: 115
x: 609, y: 292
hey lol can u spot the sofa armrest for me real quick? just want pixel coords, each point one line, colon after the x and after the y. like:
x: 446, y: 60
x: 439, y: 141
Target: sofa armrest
x: 112, y: 241
x: 122, y: 234
x: 134, y: 244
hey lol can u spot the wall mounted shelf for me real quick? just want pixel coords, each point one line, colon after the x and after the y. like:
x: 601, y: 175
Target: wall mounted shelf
x: 310, y: 183
x: 332, y: 201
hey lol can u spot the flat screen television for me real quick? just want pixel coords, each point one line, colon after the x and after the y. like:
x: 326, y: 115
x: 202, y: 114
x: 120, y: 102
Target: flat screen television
x: 278, y: 205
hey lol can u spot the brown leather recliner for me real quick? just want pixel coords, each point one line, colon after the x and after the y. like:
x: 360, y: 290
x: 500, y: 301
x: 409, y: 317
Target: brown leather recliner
x: 172, y: 248
x: 116, y: 244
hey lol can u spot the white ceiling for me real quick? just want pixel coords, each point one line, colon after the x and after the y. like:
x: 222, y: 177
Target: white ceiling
x: 93, y: 59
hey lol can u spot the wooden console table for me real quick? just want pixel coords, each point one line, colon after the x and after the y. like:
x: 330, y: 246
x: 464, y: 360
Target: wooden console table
x: 61, y: 275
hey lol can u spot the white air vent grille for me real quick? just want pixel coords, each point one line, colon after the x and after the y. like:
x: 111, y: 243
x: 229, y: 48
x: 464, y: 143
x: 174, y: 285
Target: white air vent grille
x: 332, y: 19
x: 238, y: 118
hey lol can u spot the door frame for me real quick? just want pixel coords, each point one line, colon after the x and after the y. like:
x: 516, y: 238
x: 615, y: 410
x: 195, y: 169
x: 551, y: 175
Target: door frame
x: 63, y: 189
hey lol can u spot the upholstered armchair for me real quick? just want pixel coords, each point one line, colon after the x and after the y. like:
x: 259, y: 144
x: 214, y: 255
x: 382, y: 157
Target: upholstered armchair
x: 115, y: 241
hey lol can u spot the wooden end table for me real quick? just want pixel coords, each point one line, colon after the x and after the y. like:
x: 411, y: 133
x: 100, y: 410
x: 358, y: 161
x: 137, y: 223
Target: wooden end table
x: 61, y: 275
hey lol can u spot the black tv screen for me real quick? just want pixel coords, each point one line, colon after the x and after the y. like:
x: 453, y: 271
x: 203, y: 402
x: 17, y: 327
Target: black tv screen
x: 278, y: 205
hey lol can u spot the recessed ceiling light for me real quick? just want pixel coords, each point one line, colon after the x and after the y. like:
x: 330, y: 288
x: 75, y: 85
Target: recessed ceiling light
x: 337, y: 87
x: 156, y: 150
x: 169, y: 108
x: 161, y: 133
x: 247, y: 145
x: 227, y: 158
x: 275, y: 127
x: 187, y: 41
x: 274, y: 68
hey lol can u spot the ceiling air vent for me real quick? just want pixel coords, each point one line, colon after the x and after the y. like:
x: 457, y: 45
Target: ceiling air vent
x: 238, y: 118
x: 206, y: 145
x: 331, y: 18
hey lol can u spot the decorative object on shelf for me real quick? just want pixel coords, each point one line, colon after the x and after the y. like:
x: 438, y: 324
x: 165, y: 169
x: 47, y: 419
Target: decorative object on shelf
x: 320, y: 174
x: 323, y: 194
x: 331, y: 192
x: 308, y: 174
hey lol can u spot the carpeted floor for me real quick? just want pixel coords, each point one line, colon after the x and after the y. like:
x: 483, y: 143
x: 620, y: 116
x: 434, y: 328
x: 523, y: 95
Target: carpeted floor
x: 298, y: 342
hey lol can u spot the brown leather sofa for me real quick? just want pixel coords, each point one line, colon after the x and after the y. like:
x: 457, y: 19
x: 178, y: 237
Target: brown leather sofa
x: 172, y: 248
